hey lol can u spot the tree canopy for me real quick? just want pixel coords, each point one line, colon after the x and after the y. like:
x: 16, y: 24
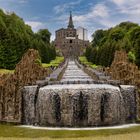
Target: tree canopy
x: 124, y: 36
x: 16, y: 38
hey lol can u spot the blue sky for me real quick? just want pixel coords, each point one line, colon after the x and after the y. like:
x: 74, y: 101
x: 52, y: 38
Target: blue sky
x: 91, y: 14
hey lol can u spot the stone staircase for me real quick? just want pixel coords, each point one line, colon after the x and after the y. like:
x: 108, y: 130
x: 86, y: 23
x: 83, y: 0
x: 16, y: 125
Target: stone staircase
x: 74, y: 74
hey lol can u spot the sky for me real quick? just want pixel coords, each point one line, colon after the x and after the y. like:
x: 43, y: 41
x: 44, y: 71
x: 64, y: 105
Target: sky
x: 90, y: 14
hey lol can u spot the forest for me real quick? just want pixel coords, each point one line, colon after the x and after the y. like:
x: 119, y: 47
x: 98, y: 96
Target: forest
x: 125, y: 36
x: 16, y: 38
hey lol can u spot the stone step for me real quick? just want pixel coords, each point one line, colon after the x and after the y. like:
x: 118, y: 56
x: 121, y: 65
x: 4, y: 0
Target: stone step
x: 80, y: 77
x: 73, y: 74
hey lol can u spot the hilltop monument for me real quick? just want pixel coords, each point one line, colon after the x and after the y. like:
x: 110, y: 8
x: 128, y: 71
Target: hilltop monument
x: 71, y: 41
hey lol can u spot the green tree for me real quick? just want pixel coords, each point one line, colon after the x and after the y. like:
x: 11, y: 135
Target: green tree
x: 16, y: 38
x: 98, y: 37
x: 45, y: 35
x: 125, y: 36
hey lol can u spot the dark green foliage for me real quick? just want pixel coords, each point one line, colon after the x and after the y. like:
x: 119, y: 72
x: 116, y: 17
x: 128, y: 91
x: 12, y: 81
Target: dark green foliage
x: 88, y: 53
x: 7, y: 57
x: 124, y: 36
x: 41, y: 42
x: 137, y: 52
x: 98, y: 37
x: 116, y: 34
x: 127, y: 25
x: 16, y: 38
x: 44, y: 34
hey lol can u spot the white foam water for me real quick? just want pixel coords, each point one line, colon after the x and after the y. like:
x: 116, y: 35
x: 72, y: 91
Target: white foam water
x: 83, y: 128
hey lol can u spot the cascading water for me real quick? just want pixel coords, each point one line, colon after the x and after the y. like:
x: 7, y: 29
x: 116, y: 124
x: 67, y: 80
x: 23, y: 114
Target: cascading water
x: 78, y: 105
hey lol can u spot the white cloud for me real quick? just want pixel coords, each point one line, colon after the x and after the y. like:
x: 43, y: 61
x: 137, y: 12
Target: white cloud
x: 127, y: 7
x: 125, y: 2
x: 107, y: 23
x: 15, y: 1
x: 36, y: 25
x: 52, y: 37
x: 98, y: 11
x: 119, y: 2
x: 23, y: 1
x: 130, y: 8
x: 61, y: 8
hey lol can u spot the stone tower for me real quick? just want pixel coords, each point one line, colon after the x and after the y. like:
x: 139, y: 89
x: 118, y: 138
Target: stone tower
x: 68, y: 42
x: 70, y: 25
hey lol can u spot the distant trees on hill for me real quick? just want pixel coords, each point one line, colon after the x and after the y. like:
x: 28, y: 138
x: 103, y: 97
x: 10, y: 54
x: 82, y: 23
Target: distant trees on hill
x: 125, y: 36
x: 16, y: 38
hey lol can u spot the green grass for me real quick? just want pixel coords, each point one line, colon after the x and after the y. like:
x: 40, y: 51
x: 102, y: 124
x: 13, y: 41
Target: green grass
x: 54, y: 63
x: 18, y: 132
x: 84, y: 60
x: 5, y: 71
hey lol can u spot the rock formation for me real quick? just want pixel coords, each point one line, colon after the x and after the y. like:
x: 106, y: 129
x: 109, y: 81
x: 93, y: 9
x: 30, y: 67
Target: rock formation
x: 121, y: 69
x: 126, y: 72
x: 27, y: 72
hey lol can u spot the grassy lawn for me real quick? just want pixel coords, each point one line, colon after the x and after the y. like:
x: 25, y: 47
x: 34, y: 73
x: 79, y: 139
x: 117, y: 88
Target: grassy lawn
x: 17, y: 133
x: 54, y: 63
x: 5, y: 71
x: 83, y: 60
x: 133, y: 136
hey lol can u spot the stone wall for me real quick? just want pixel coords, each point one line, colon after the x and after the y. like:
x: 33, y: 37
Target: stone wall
x: 27, y: 72
x: 126, y: 72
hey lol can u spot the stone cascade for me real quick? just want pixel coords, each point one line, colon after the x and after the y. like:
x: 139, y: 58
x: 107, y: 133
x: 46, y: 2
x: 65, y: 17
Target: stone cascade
x: 74, y: 74
x: 79, y: 104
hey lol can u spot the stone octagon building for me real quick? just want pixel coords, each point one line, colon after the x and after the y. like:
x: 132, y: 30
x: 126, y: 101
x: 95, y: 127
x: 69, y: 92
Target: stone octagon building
x: 71, y: 41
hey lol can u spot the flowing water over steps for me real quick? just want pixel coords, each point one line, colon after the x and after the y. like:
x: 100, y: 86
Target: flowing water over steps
x: 74, y: 74
x: 78, y: 105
